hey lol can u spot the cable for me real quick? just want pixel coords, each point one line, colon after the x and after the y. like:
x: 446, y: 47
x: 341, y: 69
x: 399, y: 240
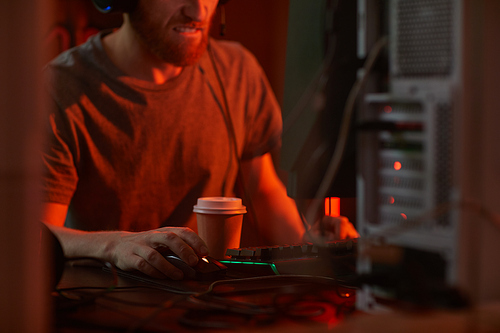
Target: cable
x: 162, y: 307
x: 293, y: 301
x: 222, y: 20
x: 318, y: 83
x: 233, y: 141
x: 340, y: 146
x: 86, y: 299
x: 119, y: 300
x: 224, y: 108
x: 456, y: 297
x: 300, y: 289
x: 296, y: 279
x: 111, y: 268
x: 314, y: 90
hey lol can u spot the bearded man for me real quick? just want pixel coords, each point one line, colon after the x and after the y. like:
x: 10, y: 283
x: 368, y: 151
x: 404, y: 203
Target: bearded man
x: 147, y: 119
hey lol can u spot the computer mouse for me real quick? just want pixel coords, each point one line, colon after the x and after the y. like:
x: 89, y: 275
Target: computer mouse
x: 207, y: 268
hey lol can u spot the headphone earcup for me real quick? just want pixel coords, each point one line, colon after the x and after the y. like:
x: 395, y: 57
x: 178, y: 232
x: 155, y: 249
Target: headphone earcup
x: 113, y: 6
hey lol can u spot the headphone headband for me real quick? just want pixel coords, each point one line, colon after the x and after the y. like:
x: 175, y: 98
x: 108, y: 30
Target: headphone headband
x: 125, y: 6
x: 111, y: 6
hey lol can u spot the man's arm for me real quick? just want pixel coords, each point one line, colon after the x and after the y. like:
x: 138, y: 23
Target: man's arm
x: 276, y: 213
x: 127, y: 250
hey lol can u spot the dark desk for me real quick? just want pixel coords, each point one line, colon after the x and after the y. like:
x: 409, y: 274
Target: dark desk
x: 91, y: 299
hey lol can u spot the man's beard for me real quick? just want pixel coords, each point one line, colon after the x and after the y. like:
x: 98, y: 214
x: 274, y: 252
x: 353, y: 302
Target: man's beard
x: 179, y: 54
x: 184, y: 54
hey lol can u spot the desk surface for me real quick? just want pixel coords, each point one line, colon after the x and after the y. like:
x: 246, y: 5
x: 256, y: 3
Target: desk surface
x: 90, y: 298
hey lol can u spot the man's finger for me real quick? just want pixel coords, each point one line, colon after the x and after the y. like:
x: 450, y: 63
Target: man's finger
x: 192, y: 239
x: 152, y: 263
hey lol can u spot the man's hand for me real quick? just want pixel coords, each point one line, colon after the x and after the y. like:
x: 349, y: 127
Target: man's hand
x: 142, y: 251
x: 331, y: 228
x: 129, y: 251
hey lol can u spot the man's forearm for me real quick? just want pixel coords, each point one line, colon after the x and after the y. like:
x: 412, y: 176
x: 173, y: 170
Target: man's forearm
x: 277, y: 216
x: 83, y: 244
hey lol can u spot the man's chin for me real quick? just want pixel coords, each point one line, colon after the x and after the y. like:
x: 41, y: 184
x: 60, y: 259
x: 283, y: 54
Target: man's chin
x: 182, y: 56
x: 190, y: 58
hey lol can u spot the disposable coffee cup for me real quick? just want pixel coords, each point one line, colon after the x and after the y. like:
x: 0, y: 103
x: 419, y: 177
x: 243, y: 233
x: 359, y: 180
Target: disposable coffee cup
x: 219, y: 222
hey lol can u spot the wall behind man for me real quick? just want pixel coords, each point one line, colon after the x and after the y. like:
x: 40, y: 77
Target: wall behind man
x: 261, y: 26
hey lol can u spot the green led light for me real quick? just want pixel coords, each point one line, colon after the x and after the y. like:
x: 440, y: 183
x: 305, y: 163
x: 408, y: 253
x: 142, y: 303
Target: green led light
x: 273, y: 266
x: 245, y: 262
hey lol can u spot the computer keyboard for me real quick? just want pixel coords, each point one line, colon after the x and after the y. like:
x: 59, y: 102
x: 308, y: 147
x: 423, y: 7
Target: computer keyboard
x: 333, y: 259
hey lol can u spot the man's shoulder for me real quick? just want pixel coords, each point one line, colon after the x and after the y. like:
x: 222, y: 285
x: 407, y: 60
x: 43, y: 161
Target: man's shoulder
x: 227, y: 45
x: 233, y: 54
x: 77, y: 57
x: 67, y: 59
x: 230, y: 49
x: 74, y: 67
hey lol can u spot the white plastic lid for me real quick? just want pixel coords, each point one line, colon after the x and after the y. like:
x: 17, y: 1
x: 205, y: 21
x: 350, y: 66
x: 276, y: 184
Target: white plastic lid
x: 219, y: 205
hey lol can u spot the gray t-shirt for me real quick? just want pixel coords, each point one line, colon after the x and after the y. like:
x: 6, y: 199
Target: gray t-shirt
x: 132, y: 155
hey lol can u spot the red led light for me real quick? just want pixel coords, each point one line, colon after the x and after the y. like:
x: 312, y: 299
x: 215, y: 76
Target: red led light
x: 403, y: 215
x: 387, y: 109
x: 332, y: 207
x: 391, y: 200
x: 397, y: 165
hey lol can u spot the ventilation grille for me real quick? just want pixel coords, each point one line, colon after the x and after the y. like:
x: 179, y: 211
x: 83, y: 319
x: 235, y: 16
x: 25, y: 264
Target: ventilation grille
x: 405, y: 183
x: 424, y: 38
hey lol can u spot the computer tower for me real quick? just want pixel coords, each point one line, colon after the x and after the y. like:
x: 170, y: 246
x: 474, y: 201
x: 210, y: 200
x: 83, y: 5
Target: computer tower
x: 427, y: 177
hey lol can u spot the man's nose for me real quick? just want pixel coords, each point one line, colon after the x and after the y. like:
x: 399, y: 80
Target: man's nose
x: 197, y: 10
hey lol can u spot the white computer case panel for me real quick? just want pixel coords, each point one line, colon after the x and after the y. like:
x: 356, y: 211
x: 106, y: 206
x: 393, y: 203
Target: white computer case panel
x: 428, y: 176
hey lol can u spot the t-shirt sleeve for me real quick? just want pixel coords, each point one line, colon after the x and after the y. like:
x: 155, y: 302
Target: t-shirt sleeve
x: 249, y: 92
x: 263, y: 118
x: 59, y: 172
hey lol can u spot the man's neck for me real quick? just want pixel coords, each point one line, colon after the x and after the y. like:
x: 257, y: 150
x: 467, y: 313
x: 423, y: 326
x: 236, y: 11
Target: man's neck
x: 128, y: 53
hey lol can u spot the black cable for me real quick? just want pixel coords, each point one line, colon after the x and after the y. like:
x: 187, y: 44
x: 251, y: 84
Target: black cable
x: 318, y: 83
x: 106, y: 264
x: 455, y: 297
x: 224, y: 108
x: 222, y: 20
x: 233, y: 140
x: 216, y: 301
x: 129, y: 288
x: 295, y: 279
x: 162, y: 307
x: 341, y: 143
x: 294, y: 301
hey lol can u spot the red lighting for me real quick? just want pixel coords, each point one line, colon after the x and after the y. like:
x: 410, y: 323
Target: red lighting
x: 403, y: 215
x: 391, y: 200
x: 332, y: 207
x: 397, y: 165
x: 387, y: 109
